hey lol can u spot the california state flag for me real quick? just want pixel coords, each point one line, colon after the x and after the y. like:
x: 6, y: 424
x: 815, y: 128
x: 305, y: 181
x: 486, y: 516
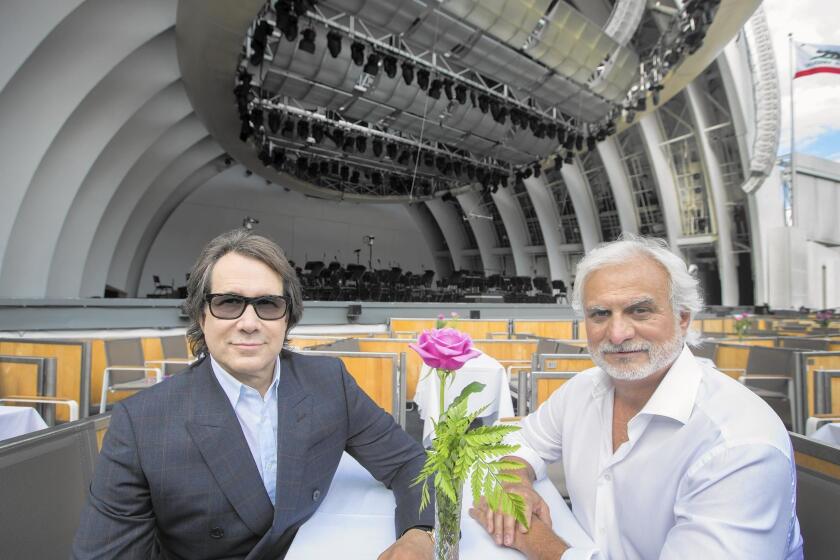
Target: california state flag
x: 813, y: 59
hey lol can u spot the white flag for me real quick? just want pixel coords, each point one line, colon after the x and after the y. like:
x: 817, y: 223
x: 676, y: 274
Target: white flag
x: 813, y: 59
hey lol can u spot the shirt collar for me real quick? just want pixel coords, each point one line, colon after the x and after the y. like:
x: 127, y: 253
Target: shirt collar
x: 676, y: 393
x: 233, y: 387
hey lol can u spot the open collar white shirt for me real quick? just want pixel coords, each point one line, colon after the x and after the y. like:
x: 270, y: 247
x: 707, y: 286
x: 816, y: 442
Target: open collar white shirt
x: 707, y: 471
x: 257, y: 415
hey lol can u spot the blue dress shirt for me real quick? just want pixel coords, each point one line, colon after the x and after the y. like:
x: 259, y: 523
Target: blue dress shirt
x: 258, y: 417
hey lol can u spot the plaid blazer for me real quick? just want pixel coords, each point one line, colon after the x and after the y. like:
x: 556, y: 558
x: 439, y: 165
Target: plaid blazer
x: 176, y: 479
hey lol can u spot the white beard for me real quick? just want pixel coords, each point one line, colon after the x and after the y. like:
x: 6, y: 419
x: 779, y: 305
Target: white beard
x: 660, y: 356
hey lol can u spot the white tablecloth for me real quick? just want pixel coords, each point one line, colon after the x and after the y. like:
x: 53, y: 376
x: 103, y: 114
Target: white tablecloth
x: 484, y: 369
x: 829, y: 433
x: 356, y: 521
x: 18, y: 420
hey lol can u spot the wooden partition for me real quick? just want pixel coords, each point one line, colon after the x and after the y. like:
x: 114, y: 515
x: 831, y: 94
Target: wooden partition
x: 732, y: 359
x: 544, y: 383
x: 476, y: 328
x: 377, y: 374
x: 306, y: 341
x: 72, y: 362
x: 564, y: 362
x: 396, y: 346
x: 19, y: 379
x: 545, y: 329
x: 821, y: 361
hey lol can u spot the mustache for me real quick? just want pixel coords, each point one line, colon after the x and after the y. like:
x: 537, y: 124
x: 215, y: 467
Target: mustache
x: 608, y: 347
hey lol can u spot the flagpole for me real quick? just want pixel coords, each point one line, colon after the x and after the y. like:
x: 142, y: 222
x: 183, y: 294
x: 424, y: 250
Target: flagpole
x: 792, y: 132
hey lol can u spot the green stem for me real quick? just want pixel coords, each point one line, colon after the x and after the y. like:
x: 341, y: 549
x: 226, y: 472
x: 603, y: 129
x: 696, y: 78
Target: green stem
x: 442, y: 375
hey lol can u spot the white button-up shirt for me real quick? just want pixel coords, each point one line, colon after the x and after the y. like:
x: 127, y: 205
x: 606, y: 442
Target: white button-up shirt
x: 258, y: 417
x: 707, y: 472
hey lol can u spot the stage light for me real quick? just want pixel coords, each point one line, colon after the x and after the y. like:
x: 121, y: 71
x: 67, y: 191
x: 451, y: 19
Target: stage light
x: 324, y: 168
x: 447, y: 197
x: 357, y: 53
x: 338, y: 137
x: 404, y: 155
x: 537, y: 170
x: 334, y: 168
x: 483, y: 103
x: 561, y: 134
x: 391, y: 150
x: 579, y: 142
x: 470, y: 171
x: 334, y: 43
x: 361, y: 144
x: 376, y: 178
x: 434, y: 89
x: 288, y: 128
x: 539, y: 132
x: 473, y: 99
x: 372, y: 66
x: 274, y: 121
x: 558, y: 163
x: 526, y: 173
x: 570, y: 157
x: 349, y: 142
x: 302, y: 163
x: 428, y: 160
x: 318, y: 132
x: 354, y: 177
x: 602, y: 135
x: 457, y: 167
x: 278, y: 158
x: 307, y: 42
x: 641, y: 104
x: 447, y: 89
x: 303, y: 129
x: 408, y: 72
x: 345, y: 172
x: 389, y: 64
x: 313, y: 169
x: 256, y: 117
x: 265, y: 155
x: 590, y: 143
x: 461, y: 93
x: 377, y: 147
x: 551, y: 130
x: 290, y: 28
x: 423, y: 79
x: 570, y: 140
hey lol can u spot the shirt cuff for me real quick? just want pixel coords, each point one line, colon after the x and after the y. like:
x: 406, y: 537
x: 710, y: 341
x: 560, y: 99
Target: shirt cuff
x: 580, y: 554
x: 530, y: 456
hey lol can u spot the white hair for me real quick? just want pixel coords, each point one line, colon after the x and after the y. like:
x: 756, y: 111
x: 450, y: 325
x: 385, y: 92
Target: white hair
x: 684, y: 288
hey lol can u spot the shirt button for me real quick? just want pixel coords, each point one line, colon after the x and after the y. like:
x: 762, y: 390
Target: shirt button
x: 316, y: 495
x: 607, y: 477
x: 217, y: 533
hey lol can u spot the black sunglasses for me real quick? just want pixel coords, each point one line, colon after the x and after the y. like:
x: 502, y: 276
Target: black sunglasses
x: 232, y: 306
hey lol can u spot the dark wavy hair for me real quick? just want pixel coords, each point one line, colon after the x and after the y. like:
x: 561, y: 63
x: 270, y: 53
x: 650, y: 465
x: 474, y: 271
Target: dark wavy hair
x: 248, y: 244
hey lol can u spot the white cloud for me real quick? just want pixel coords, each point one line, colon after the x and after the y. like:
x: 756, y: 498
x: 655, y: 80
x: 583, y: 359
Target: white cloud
x: 817, y: 107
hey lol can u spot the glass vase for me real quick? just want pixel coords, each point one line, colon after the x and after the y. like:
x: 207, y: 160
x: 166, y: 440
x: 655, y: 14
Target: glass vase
x: 447, y: 524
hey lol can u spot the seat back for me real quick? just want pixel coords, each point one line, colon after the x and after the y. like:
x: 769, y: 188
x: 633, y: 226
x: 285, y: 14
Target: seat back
x: 817, y: 496
x: 45, y: 477
x: 124, y: 352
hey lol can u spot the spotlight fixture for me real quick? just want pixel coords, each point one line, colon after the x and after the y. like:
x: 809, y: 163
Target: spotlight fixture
x: 372, y: 66
x: 361, y: 144
x: 423, y: 79
x: 354, y: 177
x: 570, y: 157
x: 317, y: 132
x: 434, y: 89
x: 579, y: 142
x: 389, y: 64
x: 357, y: 53
x: 483, y: 103
x: 570, y: 140
x: 349, y: 142
x: 551, y: 130
x: 324, y: 168
x: 334, y: 43
x: 288, y: 128
x: 377, y: 147
x: 274, y: 121
x: 408, y: 72
x: 307, y: 42
x: 303, y: 129
x: 334, y: 168
x: 290, y: 28
x: 537, y: 169
x: 447, y: 89
x: 338, y: 137
x: 344, y: 173
x: 526, y: 173
x: 590, y: 143
x: 391, y: 150
x: 461, y: 93
x: 278, y: 158
x: 403, y: 159
x: 265, y: 155
x: 473, y: 99
x: 561, y: 134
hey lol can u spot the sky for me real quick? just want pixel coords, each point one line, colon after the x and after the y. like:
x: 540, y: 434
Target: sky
x: 817, y: 97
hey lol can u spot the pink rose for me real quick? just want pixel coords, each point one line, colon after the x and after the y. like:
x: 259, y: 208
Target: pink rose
x: 445, y: 348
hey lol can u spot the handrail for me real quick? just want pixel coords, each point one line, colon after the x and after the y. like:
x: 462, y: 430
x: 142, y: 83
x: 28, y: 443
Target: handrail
x: 72, y: 405
x: 106, y: 377
x: 45, y: 379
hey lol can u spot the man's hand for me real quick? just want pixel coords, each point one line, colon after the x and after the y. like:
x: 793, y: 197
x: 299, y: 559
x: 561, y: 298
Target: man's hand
x: 503, y: 527
x: 539, y: 543
x: 413, y: 545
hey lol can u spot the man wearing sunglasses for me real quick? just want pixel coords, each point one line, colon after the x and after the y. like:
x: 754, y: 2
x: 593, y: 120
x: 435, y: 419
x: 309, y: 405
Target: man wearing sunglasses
x: 229, y: 458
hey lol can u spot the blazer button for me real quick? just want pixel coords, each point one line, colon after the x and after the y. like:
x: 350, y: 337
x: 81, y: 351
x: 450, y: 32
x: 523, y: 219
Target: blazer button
x: 316, y: 495
x: 217, y: 533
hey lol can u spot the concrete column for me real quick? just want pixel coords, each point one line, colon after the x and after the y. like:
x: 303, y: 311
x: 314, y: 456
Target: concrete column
x: 450, y: 225
x: 584, y: 209
x: 661, y: 168
x: 726, y: 256
x: 546, y: 211
x: 620, y: 184
x: 511, y: 214
x: 483, y: 230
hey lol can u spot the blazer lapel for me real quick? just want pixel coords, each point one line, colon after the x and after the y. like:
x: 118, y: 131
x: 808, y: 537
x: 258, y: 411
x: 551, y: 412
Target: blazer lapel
x: 215, y: 430
x: 294, y: 418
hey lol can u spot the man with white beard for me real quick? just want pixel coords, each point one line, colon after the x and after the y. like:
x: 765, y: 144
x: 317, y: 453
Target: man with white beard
x: 664, y: 457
